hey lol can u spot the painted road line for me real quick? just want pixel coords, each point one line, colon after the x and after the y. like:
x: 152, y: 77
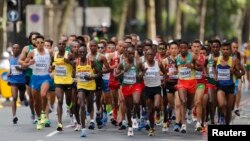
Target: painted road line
x: 55, y: 132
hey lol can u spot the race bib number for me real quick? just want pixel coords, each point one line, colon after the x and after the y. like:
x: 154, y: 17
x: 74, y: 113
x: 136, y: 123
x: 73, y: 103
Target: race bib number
x: 210, y: 72
x: 40, y: 68
x: 171, y: 71
x: 129, y: 77
x: 14, y: 71
x: 185, y: 73
x: 223, y: 74
x: 82, y: 76
x: 61, y: 71
x: 198, y: 74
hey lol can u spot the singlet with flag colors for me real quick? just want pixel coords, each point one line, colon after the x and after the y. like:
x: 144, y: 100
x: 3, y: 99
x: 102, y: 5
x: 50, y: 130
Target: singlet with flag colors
x: 224, y: 76
x: 63, y: 71
x: 185, y: 73
x: 16, y: 76
x: 28, y: 71
x: 81, y: 72
x: 42, y: 63
x: 129, y: 77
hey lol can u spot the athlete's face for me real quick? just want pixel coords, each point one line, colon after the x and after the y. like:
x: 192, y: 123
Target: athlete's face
x: 15, y: 49
x: 184, y: 49
x: 234, y: 47
x: 61, y: 45
x: 215, y: 48
x: 174, y: 50
x: 93, y: 46
x: 196, y: 48
x: 203, y: 52
x: 161, y: 49
x: 101, y: 48
x: 47, y: 45
x: 111, y: 48
x: 82, y: 52
x: 226, y: 51
x: 130, y: 53
x: 150, y: 55
x: 39, y: 43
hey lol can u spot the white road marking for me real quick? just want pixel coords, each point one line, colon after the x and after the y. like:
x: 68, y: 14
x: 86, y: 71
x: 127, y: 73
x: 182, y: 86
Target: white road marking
x: 55, y: 132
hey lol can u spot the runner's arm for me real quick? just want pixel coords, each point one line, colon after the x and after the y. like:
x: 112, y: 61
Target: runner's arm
x: 22, y: 57
x: 105, y: 63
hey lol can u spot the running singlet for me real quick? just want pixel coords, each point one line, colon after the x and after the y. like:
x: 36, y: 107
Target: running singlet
x: 42, y: 63
x: 171, y: 68
x: 97, y: 62
x: 29, y: 69
x: 224, y: 77
x: 185, y: 73
x: 247, y: 55
x: 114, y: 61
x: 152, y: 76
x: 106, y: 76
x: 210, y: 64
x: 129, y: 77
x: 16, y: 76
x: 63, y: 71
x: 82, y: 71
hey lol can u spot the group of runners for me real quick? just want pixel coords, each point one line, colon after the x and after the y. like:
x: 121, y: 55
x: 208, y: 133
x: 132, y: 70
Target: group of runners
x: 146, y: 83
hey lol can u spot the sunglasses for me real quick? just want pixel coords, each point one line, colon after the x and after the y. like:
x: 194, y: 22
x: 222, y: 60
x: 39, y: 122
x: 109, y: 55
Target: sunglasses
x: 161, y: 48
x: 39, y: 42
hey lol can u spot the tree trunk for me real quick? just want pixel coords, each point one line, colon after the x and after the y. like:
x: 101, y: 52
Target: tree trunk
x: 177, y: 26
x: 150, y: 16
x: 3, y: 23
x: 65, y: 16
x: 122, y: 24
x: 158, y: 15
x: 203, y: 10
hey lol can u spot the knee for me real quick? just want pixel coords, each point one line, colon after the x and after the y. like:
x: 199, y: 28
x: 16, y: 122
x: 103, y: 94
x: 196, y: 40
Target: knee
x: 60, y: 101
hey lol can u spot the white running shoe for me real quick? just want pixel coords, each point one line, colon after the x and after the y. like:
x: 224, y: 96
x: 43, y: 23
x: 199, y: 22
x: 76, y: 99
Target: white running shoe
x: 78, y: 127
x: 130, y: 132
x: 134, y: 123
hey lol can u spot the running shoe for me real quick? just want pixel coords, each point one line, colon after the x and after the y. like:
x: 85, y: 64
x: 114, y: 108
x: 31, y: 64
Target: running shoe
x: 72, y: 122
x: 158, y: 119
x: 183, y: 128
x: 164, y: 127
x: 130, y: 132
x: 221, y: 120
x: 151, y: 132
x: 123, y: 125
x: 147, y: 126
x: 59, y: 127
x: 198, y: 126
x: 134, y: 123
x: 47, y: 123
x: 142, y: 123
x: 39, y: 125
x: 43, y: 118
x: 15, y: 119
x: 105, y: 118
x: 113, y: 121
x: 237, y: 112
x: 78, y: 127
x: 99, y: 121
x: 84, y: 132
x: 91, y: 125
x: 177, y: 127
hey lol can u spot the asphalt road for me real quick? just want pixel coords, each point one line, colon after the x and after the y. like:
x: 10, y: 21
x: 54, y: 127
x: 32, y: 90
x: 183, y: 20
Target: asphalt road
x: 26, y: 131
